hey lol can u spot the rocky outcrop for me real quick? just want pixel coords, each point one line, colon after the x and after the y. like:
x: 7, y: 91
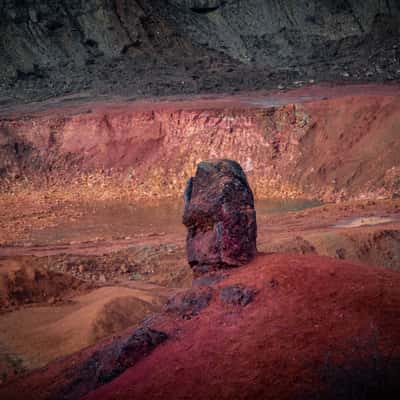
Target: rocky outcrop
x: 109, y: 361
x: 286, y: 32
x: 145, y: 47
x: 45, y: 34
x: 190, y: 303
x: 238, y: 295
x: 220, y: 217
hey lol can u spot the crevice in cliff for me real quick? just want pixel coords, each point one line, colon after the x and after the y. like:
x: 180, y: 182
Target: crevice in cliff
x: 353, y: 14
x: 75, y: 24
x: 207, y: 10
x: 121, y: 22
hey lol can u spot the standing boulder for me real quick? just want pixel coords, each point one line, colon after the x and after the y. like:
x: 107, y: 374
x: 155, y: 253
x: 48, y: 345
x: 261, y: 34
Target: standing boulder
x: 220, y: 217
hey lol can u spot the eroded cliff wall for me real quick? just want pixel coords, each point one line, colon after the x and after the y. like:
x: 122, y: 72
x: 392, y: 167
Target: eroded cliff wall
x: 55, y: 47
x: 332, y: 149
x: 276, y: 31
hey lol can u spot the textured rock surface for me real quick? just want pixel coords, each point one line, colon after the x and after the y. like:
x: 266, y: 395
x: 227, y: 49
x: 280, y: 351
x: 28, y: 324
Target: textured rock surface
x: 55, y: 47
x: 190, y: 302
x: 110, y: 361
x: 220, y: 217
x: 238, y: 295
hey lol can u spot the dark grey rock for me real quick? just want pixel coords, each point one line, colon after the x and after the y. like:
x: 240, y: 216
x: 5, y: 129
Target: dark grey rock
x: 238, y: 295
x: 220, y: 217
x: 109, y: 362
x: 190, y: 303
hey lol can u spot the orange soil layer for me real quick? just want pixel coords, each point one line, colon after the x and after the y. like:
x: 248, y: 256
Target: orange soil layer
x: 306, y: 307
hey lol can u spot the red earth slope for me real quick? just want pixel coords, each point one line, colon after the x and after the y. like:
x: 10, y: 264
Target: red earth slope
x: 309, y: 312
x: 305, y: 308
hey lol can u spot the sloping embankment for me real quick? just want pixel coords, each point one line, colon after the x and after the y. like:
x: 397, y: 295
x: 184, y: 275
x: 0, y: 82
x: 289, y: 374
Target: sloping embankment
x: 333, y: 147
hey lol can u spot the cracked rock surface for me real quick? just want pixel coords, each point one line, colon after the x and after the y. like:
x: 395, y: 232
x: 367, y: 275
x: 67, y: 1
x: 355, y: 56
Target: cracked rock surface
x: 220, y: 217
x: 151, y: 48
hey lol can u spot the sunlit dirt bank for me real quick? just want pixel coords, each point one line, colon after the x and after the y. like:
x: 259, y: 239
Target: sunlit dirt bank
x: 92, y: 245
x: 325, y: 143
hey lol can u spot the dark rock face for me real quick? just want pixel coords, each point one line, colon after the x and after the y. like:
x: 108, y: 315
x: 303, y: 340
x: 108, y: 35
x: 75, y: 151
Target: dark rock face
x: 220, y: 217
x: 157, y: 47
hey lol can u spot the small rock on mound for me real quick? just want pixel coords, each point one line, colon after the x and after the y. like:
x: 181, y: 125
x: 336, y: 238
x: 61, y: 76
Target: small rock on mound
x: 189, y: 303
x: 237, y: 295
x: 220, y: 217
x: 110, y: 361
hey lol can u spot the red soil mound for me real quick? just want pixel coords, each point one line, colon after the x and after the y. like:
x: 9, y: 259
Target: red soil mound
x: 306, y: 310
x: 305, y: 307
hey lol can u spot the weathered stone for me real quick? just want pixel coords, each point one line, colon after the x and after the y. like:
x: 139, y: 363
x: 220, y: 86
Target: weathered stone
x: 220, y: 217
x: 190, y: 303
x: 238, y: 295
x: 109, y: 361
x: 209, y: 279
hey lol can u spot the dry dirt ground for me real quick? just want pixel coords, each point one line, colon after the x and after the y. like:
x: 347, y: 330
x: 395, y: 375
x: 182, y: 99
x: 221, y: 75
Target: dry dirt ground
x: 45, y: 314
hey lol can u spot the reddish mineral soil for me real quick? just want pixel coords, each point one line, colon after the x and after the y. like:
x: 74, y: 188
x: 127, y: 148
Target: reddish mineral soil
x: 91, y: 241
x: 310, y: 317
x: 307, y: 309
